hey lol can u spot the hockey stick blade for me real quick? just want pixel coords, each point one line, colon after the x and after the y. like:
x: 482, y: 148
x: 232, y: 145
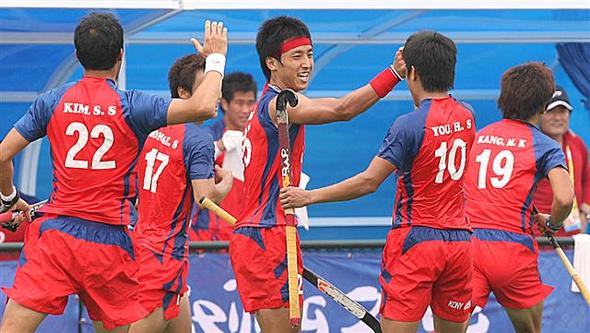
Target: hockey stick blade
x: 346, y: 302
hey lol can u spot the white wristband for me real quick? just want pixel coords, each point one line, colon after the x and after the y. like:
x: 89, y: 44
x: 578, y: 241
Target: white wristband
x: 399, y: 77
x: 10, y: 197
x: 215, y: 62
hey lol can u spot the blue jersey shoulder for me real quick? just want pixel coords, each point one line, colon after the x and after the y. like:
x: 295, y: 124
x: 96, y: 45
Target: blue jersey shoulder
x: 198, y: 152
x: 33, y: 124
x: 404, y: 138
x: 548, y: 153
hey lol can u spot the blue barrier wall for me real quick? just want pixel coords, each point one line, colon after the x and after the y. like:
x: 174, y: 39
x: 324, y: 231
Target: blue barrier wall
x: 216, y: 306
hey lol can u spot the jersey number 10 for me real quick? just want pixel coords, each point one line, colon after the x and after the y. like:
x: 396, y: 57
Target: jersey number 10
x: 441, y: 152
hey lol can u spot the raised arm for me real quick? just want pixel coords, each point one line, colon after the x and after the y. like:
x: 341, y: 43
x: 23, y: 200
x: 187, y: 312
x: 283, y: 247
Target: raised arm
x: 327, y: 110
x: 356, y: 186
x: 202, y: 105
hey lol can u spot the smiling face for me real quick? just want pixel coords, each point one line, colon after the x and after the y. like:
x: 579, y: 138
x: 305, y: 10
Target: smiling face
x: 556, y: 121
x: 293, y: 70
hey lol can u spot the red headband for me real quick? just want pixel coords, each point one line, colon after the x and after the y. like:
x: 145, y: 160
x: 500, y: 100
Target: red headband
x: 292, y: 43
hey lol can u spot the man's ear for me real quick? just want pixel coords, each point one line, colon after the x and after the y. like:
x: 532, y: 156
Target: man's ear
x: 183, y: 93
x: 224, y: 104
x: 412, y: 74
x: 272, y: 63
x: 120, y: 56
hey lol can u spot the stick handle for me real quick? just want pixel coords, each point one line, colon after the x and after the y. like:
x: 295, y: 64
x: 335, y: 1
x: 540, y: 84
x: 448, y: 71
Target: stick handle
x: 285, y: 174
x: 293, y: 276
x: 323, y: 285
x: 570, y: 269
x: 212, y: 206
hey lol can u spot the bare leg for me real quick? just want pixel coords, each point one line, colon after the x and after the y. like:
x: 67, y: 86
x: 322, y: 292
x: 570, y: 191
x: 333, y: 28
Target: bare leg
x: 527, y: 320
x: 446, y: 326
x: 275, y: 321
x: 20, y: 319
x: 182, y: 323
x: 98, y: 328
x: 393, y: 326
x: 153, y: 323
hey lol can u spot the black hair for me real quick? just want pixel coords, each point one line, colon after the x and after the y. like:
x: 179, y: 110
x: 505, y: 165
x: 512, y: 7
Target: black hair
x: 98, y: 40
x: 273, y: 33
x: 433, y: 56
x: 237, y: 81
x: 183, y: 73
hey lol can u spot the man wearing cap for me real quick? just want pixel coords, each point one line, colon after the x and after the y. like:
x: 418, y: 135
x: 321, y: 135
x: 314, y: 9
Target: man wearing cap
x: 555, y: 124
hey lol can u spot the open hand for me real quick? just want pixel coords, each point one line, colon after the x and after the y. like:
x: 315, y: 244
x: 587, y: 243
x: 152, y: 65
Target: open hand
x: 399, y: 64
x: 215, y: 36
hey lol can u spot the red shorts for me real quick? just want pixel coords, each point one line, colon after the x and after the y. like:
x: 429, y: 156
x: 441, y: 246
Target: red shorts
x: 424, y: 266
x: 259, y: 259
x: 162, y: 281
x: 507, y: 264
x: 66, y: 255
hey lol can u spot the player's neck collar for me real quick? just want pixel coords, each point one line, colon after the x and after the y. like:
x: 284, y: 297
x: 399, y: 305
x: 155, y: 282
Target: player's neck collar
x: 275, y: 88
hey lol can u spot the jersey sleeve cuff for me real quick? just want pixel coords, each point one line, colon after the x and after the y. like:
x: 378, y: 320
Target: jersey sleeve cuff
x: 25, y: 134
x: 391, y: 160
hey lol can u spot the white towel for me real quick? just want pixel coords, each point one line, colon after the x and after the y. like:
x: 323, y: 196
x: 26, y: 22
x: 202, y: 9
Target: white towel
x: 233, y: 162
x: 581, y: 259
x: 301, y: 213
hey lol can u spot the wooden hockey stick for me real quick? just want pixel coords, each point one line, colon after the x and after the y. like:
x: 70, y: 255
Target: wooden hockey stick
x: 317, y: 281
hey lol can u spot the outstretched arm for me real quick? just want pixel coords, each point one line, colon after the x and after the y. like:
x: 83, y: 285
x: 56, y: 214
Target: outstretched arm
x: 359, y: 185
x: 202, y: 105
x: 327, y: 110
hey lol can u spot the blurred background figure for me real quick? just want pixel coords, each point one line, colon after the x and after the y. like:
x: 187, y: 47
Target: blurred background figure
x: 238, y: 96
x: 556, y: 124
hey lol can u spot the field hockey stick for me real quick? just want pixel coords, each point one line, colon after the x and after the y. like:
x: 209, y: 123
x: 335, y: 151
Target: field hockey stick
x: 7, y: 218
x: 317, y: 281
x: 339, y: 297
x: 284, y: 97
x: 568, y: 265
x: 570, y: 269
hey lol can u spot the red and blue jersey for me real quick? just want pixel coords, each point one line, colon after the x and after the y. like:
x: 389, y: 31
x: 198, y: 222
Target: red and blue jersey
x: 95, y: 131
x: 429, y: 148
x: 507, y: 160
x: 171, y: 158
x: 262, y: 165
x: 216, y: 128
x: 205, y: 225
